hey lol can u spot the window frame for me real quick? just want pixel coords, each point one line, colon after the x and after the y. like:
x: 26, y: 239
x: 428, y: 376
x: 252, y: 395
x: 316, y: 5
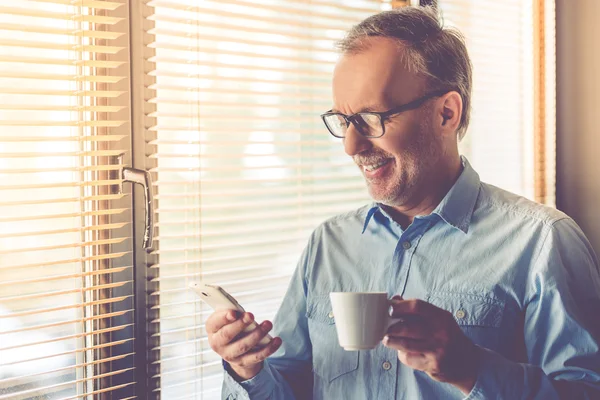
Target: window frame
x: 143, y: 275
x: 133, y: 218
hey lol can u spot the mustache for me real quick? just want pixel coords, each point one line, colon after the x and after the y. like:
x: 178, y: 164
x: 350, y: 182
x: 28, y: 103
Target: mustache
x: 371, y: 158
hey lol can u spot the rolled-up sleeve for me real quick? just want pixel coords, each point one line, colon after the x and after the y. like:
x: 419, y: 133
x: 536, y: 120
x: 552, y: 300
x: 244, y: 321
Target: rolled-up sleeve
x: 262, y: 386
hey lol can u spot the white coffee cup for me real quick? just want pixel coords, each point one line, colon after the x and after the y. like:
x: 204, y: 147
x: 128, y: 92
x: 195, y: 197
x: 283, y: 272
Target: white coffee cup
x: 361, y: 319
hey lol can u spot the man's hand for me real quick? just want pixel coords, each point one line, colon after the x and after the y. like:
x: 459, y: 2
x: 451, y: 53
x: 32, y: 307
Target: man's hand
x: 224, y: 329
x: 429, y: 340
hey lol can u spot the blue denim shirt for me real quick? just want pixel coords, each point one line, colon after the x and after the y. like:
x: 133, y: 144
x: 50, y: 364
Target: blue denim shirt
x: 520, y: 278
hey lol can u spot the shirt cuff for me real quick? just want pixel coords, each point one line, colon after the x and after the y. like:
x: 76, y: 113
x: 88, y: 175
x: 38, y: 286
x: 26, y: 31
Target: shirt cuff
x: 494, y: 371
x: 259, y: 387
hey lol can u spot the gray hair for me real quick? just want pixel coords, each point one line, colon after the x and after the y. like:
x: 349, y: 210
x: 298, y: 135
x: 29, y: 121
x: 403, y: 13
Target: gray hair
x: 430, y: 49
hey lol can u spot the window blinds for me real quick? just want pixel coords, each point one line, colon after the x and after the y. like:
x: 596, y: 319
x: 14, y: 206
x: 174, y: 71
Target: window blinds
x: 500, y: 142
x: 230, y: 95
x: 63, y: 114
x: 244, y: 168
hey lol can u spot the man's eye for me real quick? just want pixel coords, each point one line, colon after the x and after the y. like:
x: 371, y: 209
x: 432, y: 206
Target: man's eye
x: 340, y: 122
x: 370, y: 120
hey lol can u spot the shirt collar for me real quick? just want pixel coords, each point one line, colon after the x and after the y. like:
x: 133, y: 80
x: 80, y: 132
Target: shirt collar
x: 456, y: 208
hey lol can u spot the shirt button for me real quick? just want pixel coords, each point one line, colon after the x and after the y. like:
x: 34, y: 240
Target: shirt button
x: 406, y: 245
x: 387, y: 366
x: 330, y: 315
x: 460, y: 314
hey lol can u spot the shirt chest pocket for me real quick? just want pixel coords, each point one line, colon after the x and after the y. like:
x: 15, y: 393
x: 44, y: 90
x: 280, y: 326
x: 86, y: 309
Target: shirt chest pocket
x: 330, y: 360
x: 479, y: 316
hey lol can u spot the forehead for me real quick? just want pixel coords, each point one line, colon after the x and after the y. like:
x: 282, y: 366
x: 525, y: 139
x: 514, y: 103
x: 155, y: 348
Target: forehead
x: 375, y: 75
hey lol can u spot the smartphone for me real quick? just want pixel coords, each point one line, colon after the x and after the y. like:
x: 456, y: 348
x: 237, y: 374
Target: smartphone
x: 216, y: 297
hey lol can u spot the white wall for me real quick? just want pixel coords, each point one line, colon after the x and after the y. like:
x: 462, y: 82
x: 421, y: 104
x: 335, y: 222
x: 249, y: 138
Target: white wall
x: 578, y: 113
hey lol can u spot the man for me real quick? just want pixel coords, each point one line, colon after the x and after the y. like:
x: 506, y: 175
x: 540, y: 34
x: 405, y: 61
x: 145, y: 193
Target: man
x: 499, y: 296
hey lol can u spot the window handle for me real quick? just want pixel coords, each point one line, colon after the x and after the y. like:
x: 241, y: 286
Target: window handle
x: 143, y: 178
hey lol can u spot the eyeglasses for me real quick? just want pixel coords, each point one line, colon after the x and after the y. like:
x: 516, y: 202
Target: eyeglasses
x: 370, y: 124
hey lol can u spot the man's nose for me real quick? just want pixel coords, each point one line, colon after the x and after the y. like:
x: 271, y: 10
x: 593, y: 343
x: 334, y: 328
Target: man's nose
x: 354, y: 142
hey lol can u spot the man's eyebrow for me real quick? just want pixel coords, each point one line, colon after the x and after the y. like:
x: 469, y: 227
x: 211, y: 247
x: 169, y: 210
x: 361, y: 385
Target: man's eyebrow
x: 373, y: 107
x: 370, y: 108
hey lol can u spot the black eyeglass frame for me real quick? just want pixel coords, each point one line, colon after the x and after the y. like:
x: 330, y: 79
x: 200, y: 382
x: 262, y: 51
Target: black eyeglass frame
x: 382, y: 115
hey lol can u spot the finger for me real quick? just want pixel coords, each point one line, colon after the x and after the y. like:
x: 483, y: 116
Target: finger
x: 229, y: 332
x: 247, y: 343
x: 410, y: 328
x: 416, y: 361
x: 258, y: 356
x: 219, y: 319
x: 408, y: 345
x: 415, y: 307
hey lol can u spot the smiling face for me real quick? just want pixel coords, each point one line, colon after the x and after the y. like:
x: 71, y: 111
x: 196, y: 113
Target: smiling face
x: 398, y: 165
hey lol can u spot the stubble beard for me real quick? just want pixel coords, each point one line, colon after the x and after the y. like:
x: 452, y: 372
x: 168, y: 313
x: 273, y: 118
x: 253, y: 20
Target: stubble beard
x: 411, y: 168
x: 394, y: 194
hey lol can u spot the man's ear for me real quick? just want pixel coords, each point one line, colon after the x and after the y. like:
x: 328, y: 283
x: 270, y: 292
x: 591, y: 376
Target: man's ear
x: 450, y: 112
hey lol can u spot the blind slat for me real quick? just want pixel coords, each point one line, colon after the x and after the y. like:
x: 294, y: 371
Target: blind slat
x: 166, y: 360
x: 100, y: 124
x: 211, y: 274
x: 284, y: 93
x: 240, y: 245
x: 62, y: 77
x: 80, y: 350
x: 70, y: 306
x: 226, y: 79
x: 65, y: 276
x: 108, y: 197
x: 198, y: 13
x: 231, y: 27
x: 326, y: 45
x: 308, y: 12
x: 92, y: 153
x: 266, y: 303
x: 168, y: 61
x: 52, y: 30
x: 65, y: 246
x: 57, y: 46
x: 52, y: 388
x: 36, y: 12
x: 95, y: 4
x: 105, y: 256
x: 60, y: 93
x: 60, y: 61
x: 20, y: 380
x: 280, y: 276
x: 64, y: 338
x: 63, y: 184
x: 318, y: 211
x: 115, y: 167
x: 293, y: 178
x: 69, y: 322
x: 103, y: 138
x: 176, y: 49
x: 57, y: 231
x: 296, y: 107
x: 104, y: 390
x: 208, y: 194
x: 62, y: 292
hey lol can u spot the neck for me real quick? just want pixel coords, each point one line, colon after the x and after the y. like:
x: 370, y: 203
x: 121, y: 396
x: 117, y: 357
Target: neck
x: 429, y: 195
